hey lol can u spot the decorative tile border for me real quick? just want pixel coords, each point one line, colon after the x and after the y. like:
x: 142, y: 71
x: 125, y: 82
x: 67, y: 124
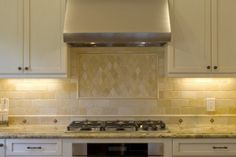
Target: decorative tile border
x: 169, y: 119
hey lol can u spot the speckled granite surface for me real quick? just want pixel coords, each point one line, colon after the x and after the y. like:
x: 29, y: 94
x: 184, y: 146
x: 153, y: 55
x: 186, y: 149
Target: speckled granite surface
x: 174, y: 131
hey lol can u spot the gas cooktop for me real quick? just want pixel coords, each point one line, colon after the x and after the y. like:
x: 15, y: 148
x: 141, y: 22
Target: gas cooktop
x: 117, y: 125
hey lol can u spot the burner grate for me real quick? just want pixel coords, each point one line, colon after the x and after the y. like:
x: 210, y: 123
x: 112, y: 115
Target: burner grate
x: 123, y: 125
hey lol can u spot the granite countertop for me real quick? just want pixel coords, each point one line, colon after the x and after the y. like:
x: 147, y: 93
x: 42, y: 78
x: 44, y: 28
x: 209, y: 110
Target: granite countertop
x: 174, y: 131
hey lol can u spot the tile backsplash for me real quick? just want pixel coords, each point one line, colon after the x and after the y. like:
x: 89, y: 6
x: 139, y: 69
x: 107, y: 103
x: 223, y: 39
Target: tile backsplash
x: 118, y: 81
x: 118, y: 75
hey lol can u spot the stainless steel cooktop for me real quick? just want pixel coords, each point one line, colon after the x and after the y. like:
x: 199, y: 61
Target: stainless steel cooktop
x: 117, y: 125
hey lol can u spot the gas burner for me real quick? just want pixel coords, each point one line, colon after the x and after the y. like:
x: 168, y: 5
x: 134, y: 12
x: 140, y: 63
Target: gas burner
x: 118, y: 125
x: 85, y: 126
x: 151, y: 125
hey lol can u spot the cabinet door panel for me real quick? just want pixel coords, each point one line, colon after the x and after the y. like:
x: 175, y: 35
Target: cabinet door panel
x: 2, y: 148
x: 190, y: 50
x: 34, y: 147
x: 45, y: 53
x: 11, y: 36
x: 204, y: 147
x: 224, y: 43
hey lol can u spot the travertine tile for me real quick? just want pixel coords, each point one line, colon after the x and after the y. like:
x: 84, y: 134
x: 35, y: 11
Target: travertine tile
x: 120, y: 81
x: 118, y: 75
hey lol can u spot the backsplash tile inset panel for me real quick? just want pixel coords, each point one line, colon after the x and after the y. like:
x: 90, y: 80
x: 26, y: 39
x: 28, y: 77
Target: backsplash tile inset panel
x: 118, y: 75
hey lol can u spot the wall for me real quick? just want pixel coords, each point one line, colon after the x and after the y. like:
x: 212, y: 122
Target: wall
x: 118, y: 81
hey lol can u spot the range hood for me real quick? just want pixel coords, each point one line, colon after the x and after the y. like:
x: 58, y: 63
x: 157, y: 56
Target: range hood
x: 121, y: 23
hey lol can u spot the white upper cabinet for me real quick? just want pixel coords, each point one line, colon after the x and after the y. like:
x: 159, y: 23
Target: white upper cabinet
x: 224, y: 35
x: 11, y: 36
x: 31, y: 38
x: 44, y: 51
x: 190, y: 47
x: 204, y: 37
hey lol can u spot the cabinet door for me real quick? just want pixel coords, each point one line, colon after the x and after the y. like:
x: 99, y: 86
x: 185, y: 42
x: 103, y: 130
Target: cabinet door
x: 204, y: 147
x: 34, y: 147
x: 190, y: 51
x: 224, y: 35
x: 43, y: 37
x: 2, y: 148
x: 11, y: 36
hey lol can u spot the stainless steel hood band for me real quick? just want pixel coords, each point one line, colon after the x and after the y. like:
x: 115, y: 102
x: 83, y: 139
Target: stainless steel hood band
x: 116, y: 39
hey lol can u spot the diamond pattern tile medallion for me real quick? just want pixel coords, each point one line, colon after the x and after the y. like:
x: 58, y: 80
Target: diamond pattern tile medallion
x: 118, y: 75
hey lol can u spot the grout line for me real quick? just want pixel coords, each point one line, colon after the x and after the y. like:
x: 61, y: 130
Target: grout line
x: 79, y: 74
x: 114, y: 98
x: 157, y: 79
x: 167, y: 116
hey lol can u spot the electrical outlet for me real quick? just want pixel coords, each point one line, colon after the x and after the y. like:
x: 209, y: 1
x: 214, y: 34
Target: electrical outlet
x: 5, y: 103
x: 211, y: 104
